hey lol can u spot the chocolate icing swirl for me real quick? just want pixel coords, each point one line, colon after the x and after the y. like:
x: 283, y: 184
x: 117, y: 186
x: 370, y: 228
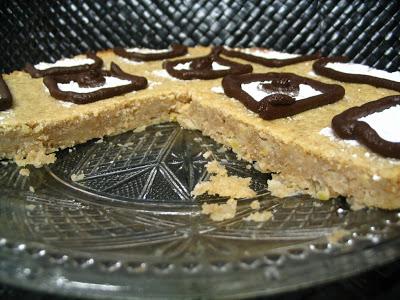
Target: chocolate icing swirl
x: 5, y: 95
x: 36, y: 73
x: 283, y: 103
x: 93, y: 78
x: 320, y: 68
x: 268, y: 62
x: 201, y: 67
x: 176, y: 50
x: 347, y: 126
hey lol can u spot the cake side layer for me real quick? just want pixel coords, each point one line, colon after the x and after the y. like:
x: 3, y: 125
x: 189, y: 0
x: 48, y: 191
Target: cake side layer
x: 301, y: 169
x: 28, y: 146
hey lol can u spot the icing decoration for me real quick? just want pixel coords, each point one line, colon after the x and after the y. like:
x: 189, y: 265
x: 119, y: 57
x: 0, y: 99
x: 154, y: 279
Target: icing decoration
x: 278, y: 95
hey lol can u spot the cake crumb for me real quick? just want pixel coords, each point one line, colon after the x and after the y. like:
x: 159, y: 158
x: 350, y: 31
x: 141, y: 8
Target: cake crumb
x: 248, y: 166
x: 198, y: 139
x: 139, y: 129
x: 259, y: 216
x: 224, y: 185
x: 30, y: 207
x: 36, y: 157
x: 222, y: 149
x: 31, y: 189
x: 337, y: 235
x: 220, y: 212
x: 255, y: 204
x: 129, y: 144
x: 354, y: 206
x: 207, y: 154
x: 158, y: 133
x: 24, y: 172
x: 76, y: 177
x: 280, y: 190
x: 99, y: 141
x: 317, y: 204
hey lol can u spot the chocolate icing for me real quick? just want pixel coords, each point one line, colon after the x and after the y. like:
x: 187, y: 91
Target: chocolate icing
x: 93, y: 78
x: 281, y: 105
x: 176, y: 50
x: 320, y: 68
x: 272, y: 63
x: 5, y: 95
x: 201, y: 67
x: 36, y: 73
x: 347, y: 126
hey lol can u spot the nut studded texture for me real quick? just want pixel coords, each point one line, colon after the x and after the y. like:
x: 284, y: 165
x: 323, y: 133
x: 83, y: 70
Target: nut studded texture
x: 366, y: 31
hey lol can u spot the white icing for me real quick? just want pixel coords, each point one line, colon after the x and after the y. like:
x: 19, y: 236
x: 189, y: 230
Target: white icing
x: 129, y: 61
x: 215, y: 66
x: 376, y: 177
x: 184, y: 66
x: 111, y: 82
x: 386, y: 123
x: 312, y: 73
x: 152, y: 84
x: 67, y: 104
x: 305, y: 91
x: 46, y: 90
x: 329, y: 133
x: 147, y: 51
x: 217, y: 89
x: 163, y: 74
x: 5, y: 114
x: 66, y: 62
x: 350, y: 68
x: 269, y: 54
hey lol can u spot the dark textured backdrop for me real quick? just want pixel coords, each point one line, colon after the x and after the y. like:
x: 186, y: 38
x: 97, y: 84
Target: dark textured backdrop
x: 366, y: 31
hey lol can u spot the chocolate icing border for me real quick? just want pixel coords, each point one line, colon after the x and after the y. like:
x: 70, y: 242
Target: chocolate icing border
x: 5, y: 95
x: 51, y: 82
x: 232, y: 88
x: 320, y: 68
x: 272, y: 63
x: 346, y: 126
x: 36, y: 73
x: 235, y: 68
x: 176, y: 50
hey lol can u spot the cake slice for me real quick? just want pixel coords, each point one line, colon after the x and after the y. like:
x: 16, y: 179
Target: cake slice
x: 39, y: 124
x: 302, y: 150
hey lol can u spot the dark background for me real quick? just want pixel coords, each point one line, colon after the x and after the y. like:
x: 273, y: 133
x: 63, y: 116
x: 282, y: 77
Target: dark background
x: 366, y: 31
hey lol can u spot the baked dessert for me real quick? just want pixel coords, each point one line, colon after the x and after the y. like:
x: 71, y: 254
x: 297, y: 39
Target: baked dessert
x: 300, y: 147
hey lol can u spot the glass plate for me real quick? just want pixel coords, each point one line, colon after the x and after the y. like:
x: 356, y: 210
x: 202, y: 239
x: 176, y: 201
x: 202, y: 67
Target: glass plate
x: 128, y: 227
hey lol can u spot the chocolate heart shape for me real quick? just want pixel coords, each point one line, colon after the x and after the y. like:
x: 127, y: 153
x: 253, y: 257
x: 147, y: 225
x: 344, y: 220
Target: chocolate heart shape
x: 268, y: 62
x: 202, y: 67
x: 283, y: 96
x: 5, y: 95
x: 320, y: 68
x: 36, y: 73
x: 176, y: 50
x: 348, y: 126
x: 84, y: 78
